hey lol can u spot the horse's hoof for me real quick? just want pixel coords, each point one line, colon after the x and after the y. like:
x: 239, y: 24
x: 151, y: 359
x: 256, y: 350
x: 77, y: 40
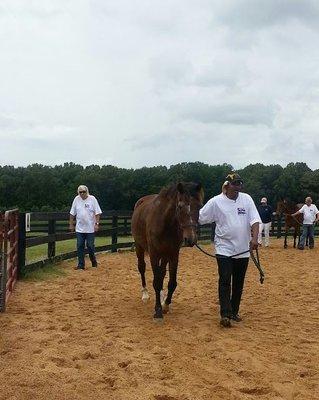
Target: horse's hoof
x: 158, y: 320
x: 165, y: 308
x: 145, y: 298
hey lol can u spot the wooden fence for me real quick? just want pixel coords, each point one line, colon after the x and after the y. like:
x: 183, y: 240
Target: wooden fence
x: 52, y: 227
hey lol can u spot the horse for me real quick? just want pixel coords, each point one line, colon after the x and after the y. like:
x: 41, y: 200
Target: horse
x: 161, y: 223
x: 286, y: 208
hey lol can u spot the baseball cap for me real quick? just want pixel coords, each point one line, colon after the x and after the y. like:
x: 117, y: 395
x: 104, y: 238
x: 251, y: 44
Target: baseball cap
x: 234, y: 177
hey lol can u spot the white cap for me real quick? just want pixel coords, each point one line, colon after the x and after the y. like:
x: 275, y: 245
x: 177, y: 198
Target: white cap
x: 263, y: 200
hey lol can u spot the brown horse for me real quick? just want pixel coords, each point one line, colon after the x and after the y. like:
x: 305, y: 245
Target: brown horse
x: 286, y: 208
x: 160, y: 224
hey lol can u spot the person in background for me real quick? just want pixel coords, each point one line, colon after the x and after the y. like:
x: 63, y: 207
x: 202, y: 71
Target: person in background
x: 310, y: 217
x: 265, y: 211
x: 86, y: 210
x: 237, y: 227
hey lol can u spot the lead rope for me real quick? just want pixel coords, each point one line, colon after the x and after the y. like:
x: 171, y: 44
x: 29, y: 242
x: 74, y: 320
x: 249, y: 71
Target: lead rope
x: 253, y: 257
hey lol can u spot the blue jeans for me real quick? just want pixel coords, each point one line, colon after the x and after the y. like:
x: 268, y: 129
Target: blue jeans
x: 307, y: 230
x: 81, y: 238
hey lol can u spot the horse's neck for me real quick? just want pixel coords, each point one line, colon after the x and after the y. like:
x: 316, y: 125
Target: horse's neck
x: 168, y: 213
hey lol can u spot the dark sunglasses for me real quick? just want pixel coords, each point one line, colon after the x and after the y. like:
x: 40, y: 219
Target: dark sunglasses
x: 236, y: 183
x: 82, y: 191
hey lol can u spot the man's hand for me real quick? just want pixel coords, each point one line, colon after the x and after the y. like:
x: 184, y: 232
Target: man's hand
x: 253, y: 245
x: 71, y: 226
x: 96, y: 227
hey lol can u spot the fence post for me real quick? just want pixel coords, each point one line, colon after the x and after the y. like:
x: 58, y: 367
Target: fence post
x: 114, y: 233
x: 213, y: 232
x: 125, y: 227
x: 272, y: 225
x: 2, y: 274
x: 279, y: 226
x: 51, y: 244
x: 21, y: 243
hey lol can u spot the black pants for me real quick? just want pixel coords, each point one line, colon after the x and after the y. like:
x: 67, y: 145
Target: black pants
x: 232, y: 273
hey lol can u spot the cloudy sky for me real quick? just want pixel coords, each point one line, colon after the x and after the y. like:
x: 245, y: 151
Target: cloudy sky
x: 137, y: 83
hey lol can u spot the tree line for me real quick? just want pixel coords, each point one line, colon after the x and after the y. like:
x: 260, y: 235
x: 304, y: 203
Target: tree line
x: 45, y: 188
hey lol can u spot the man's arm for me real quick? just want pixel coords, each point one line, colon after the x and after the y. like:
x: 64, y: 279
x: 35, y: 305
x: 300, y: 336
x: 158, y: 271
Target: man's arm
x: 206, y: 213
x: 71, y: 223
x: 254, y: 233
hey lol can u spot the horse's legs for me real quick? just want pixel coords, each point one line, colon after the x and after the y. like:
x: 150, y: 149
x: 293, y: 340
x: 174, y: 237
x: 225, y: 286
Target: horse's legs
x: 141, y: 267
x: 158, y: 286
x: 295, y: 237
x: 285, y: 243
x: 172, y: 283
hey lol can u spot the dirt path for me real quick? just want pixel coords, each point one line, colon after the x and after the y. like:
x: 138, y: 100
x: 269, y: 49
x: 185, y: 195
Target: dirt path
x: 88, y: 335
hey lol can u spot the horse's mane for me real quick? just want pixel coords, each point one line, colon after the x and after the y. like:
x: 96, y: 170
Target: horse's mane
x: 290, y: 205
x: 191, y: 188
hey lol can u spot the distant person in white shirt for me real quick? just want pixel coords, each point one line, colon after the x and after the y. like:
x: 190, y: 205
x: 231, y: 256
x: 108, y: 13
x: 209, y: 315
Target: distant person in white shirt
x: 310, y: 217
x: 87, y: 212
x: 237, y: 227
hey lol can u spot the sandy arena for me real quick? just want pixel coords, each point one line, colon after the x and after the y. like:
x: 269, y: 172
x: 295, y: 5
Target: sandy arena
x: 88, y: 335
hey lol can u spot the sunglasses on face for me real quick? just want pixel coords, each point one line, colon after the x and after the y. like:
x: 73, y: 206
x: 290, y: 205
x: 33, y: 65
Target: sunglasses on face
x: 82, y: 191
x: 236, y: 183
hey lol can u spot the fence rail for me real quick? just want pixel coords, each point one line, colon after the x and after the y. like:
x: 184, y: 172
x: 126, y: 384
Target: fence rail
x: 50, y: 228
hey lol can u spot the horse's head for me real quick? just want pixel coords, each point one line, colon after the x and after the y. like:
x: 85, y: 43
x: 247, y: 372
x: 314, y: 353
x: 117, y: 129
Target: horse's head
x: 189, y: 200
x: 281, y: 207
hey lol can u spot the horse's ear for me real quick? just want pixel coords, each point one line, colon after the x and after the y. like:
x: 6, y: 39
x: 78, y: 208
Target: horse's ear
x: 180, y: 188
x: 200, y: 191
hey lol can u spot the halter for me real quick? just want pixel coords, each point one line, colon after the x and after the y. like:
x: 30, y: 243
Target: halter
x: 188, y: 226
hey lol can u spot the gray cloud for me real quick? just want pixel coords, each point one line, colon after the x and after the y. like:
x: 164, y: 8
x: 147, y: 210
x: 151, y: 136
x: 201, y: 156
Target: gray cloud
x: 252, y: 14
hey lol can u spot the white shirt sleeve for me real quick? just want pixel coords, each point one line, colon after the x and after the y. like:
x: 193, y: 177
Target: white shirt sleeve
x: 253, y: 213
x: 207, y: 213
x: 302, y: 210
x: 97, y: 208
x: 73, y: 208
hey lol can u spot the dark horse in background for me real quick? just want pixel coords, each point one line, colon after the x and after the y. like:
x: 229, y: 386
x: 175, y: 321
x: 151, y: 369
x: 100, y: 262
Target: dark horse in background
x: 161, y: 223
x: 286, y: 208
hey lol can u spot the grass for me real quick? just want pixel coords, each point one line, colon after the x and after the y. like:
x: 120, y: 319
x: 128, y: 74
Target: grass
x: 39, y: 252
x: 50, y: 271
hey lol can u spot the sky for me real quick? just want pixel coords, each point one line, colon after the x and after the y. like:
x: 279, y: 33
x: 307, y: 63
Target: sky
x: 136, y: 83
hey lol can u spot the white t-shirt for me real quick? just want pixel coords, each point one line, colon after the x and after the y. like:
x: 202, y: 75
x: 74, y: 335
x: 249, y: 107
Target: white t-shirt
x: 234, y: 219
x: 85, y: 211
x: 309, y: 213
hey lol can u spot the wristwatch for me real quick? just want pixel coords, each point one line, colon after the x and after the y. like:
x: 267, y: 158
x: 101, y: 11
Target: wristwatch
x: 97, y: 223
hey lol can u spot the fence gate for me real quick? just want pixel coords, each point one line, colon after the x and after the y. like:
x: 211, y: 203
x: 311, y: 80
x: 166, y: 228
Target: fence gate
x: 9, y: 231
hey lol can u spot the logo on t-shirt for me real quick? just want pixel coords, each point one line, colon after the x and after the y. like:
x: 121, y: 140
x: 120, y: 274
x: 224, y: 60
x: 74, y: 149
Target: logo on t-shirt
x: 241, y: 211
x: 86, y: 205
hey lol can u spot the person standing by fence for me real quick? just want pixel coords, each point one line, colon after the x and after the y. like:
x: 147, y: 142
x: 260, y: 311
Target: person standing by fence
x: 86, y: 210
x: 265, y: 211
x: 237, y: 226
x: 310, y: 217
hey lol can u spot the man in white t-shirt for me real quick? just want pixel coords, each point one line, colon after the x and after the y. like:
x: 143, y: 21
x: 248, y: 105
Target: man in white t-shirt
x: 86, y: 210
x: 310, y: 217
x: 237, y: 227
